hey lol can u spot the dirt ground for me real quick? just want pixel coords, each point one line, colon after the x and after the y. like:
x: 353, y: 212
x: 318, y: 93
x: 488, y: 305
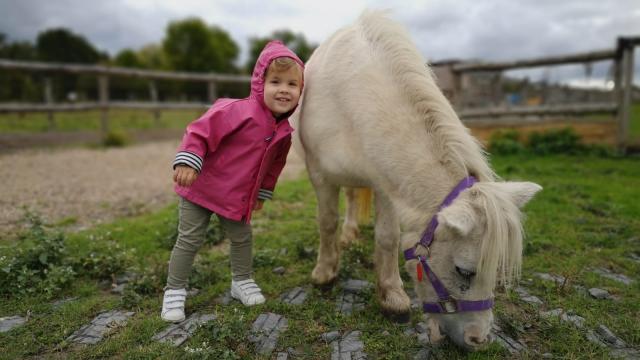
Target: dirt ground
x: 83, y: 187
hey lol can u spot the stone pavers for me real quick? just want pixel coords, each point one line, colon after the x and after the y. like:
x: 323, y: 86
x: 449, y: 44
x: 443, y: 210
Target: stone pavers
x: 10, y: 322
x: 600, y: 294
x: 177, y: 334
x: 350, y: 299
x: 513, y: 346
x: 613, y: 276
x: 265, y: 332
x: 59, y: 303
x: 350, y: 347
x: 295, y: 296
x: 605, y: 337
x: 346, y: 303
x: 528, y: 298
x: 549, y: 277
x: 423, y: 354
x: 225, y: 298
x: 102, y: 324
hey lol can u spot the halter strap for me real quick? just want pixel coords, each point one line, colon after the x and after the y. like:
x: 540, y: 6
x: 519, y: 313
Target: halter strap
x: 446, y: 304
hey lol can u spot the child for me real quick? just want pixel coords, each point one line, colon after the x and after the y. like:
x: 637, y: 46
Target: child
x: 228, y: 164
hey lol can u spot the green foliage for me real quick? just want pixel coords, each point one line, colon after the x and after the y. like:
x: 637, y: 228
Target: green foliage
x: 62, y: 45
x: 556, y: 141
x: 505, y: 142
x: 563, y: 141
x: 127, y: 58
x: 102, y: 260
x: 190, y: 45
x: 586, y: 217
x: 37, y: 266
x: 116, y: 138
x: 41, y: 263
x: 296, y: 42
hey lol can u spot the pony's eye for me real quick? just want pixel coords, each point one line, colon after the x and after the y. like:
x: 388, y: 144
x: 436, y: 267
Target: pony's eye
x: 467, y: 274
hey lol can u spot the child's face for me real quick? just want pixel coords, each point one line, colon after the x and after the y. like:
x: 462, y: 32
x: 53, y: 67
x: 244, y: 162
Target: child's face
x: 282, y: 90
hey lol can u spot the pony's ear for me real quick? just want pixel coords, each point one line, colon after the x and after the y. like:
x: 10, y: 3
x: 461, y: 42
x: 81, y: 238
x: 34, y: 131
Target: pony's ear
x: 457, y: 218
x: 520, y: 192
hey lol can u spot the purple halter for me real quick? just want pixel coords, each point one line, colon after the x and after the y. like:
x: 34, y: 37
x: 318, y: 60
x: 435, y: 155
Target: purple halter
x: 446, y: 304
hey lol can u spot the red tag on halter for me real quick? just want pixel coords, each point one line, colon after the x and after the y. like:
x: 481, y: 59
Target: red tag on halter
x: 419, y: 271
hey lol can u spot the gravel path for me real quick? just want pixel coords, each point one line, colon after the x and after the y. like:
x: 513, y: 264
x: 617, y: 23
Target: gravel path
x: 88, y: 186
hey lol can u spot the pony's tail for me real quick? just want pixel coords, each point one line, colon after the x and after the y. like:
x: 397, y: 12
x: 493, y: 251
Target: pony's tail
x: 363, y: 199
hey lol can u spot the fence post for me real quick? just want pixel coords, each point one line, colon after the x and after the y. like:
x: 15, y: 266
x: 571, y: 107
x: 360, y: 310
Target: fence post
x: 212, y: 91
x: 103, y: 95
x: 623, y: 89
x: 153, y: 92
x: 48, y: 99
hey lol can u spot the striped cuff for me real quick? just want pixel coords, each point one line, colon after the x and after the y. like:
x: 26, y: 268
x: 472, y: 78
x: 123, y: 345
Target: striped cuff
x: 190, y: 159
x: 264, y: 194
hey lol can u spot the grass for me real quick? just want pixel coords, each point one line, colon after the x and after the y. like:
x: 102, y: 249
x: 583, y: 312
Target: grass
x: 588, y: 215
x: 634, y: 122
x: 119, y: 119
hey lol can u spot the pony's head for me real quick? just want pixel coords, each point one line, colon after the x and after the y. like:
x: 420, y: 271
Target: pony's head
x: 477, y: 243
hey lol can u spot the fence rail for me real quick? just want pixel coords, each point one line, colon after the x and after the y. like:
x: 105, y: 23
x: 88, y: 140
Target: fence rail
x: 621, y: 55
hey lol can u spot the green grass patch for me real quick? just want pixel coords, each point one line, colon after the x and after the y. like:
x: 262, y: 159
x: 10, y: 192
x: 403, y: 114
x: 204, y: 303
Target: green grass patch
x: 119, y: 120
x: 587, y: 216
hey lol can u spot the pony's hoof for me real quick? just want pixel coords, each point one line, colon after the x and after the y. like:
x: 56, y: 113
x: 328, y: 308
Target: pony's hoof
x: 326, y: 287
x: 398, y: 318
x: 323, y: 275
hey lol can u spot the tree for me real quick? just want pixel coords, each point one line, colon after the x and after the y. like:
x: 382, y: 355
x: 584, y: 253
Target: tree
x: 190, y: 45
x: 18, y: 85
x: 152, y: 56
x: 21, y: 50
x: 61, y: 45
x: 296, y: 42
x: 127, y: 58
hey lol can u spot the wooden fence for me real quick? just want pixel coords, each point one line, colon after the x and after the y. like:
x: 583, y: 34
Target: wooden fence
x: 451, y: 74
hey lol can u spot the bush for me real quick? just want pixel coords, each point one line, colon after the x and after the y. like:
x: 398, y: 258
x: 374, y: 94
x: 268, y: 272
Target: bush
x: 505, y: 142
x: 37, y: 265
x: 40, y: 263
x: 563, y: 141
x: 116, y: 139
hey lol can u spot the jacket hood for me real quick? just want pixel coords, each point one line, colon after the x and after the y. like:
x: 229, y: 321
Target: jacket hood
x: 273, y: 49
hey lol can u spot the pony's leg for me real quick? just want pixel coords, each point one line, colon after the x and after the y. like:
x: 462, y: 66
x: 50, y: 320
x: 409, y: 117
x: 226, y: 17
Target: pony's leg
x: 327, y: 264
x: 391, y: 296
x: 350, y: 229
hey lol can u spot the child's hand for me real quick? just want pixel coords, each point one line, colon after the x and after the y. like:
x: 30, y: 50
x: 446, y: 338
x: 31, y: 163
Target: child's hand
x: 184, y: 175
x: 258, y: 205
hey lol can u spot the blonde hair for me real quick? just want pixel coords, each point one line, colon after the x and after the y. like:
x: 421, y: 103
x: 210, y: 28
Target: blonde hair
x: 281, y: 64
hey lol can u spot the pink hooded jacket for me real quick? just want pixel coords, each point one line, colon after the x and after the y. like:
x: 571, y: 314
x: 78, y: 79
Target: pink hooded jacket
x: 237, y: 147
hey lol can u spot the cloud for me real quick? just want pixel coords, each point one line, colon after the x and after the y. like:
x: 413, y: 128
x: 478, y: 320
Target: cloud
x: 463, y: 29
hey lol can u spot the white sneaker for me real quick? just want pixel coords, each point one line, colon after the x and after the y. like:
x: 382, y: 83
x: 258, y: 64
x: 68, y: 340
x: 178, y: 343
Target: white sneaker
x: 173, y: 305
x: 247, y: 291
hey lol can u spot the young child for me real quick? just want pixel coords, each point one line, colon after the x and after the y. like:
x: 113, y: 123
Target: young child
x: 228, y: 164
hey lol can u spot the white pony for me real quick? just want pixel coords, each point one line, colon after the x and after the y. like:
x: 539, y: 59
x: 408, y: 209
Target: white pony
x: 373, y: 116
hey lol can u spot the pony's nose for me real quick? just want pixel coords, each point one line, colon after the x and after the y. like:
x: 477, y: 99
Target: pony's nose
x: 474, y: 337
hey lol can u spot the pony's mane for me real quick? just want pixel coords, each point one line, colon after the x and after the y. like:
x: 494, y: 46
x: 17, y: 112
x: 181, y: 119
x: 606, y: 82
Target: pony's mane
x: 409, y: 70
x: 502, y: 245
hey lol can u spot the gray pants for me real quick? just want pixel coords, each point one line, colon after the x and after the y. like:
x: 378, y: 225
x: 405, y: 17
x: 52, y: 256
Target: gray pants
x: 192, y: 227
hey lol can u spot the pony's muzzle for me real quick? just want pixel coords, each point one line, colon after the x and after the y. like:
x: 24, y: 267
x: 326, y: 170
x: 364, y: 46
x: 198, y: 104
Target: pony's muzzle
x: 475, y: 337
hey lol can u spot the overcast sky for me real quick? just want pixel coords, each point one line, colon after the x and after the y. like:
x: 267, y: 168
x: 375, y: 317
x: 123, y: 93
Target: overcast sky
x: 464, y: 29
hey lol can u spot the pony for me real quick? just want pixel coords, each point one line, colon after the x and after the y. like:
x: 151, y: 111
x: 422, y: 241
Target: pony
x: 372, y: 116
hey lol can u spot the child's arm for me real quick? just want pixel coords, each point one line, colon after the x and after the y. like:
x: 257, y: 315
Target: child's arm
x: 202, y: 136
x: 270, y: 179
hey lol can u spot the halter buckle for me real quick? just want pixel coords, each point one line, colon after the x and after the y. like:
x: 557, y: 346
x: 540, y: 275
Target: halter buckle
x: 449, y: 306
x: 428, y: 248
